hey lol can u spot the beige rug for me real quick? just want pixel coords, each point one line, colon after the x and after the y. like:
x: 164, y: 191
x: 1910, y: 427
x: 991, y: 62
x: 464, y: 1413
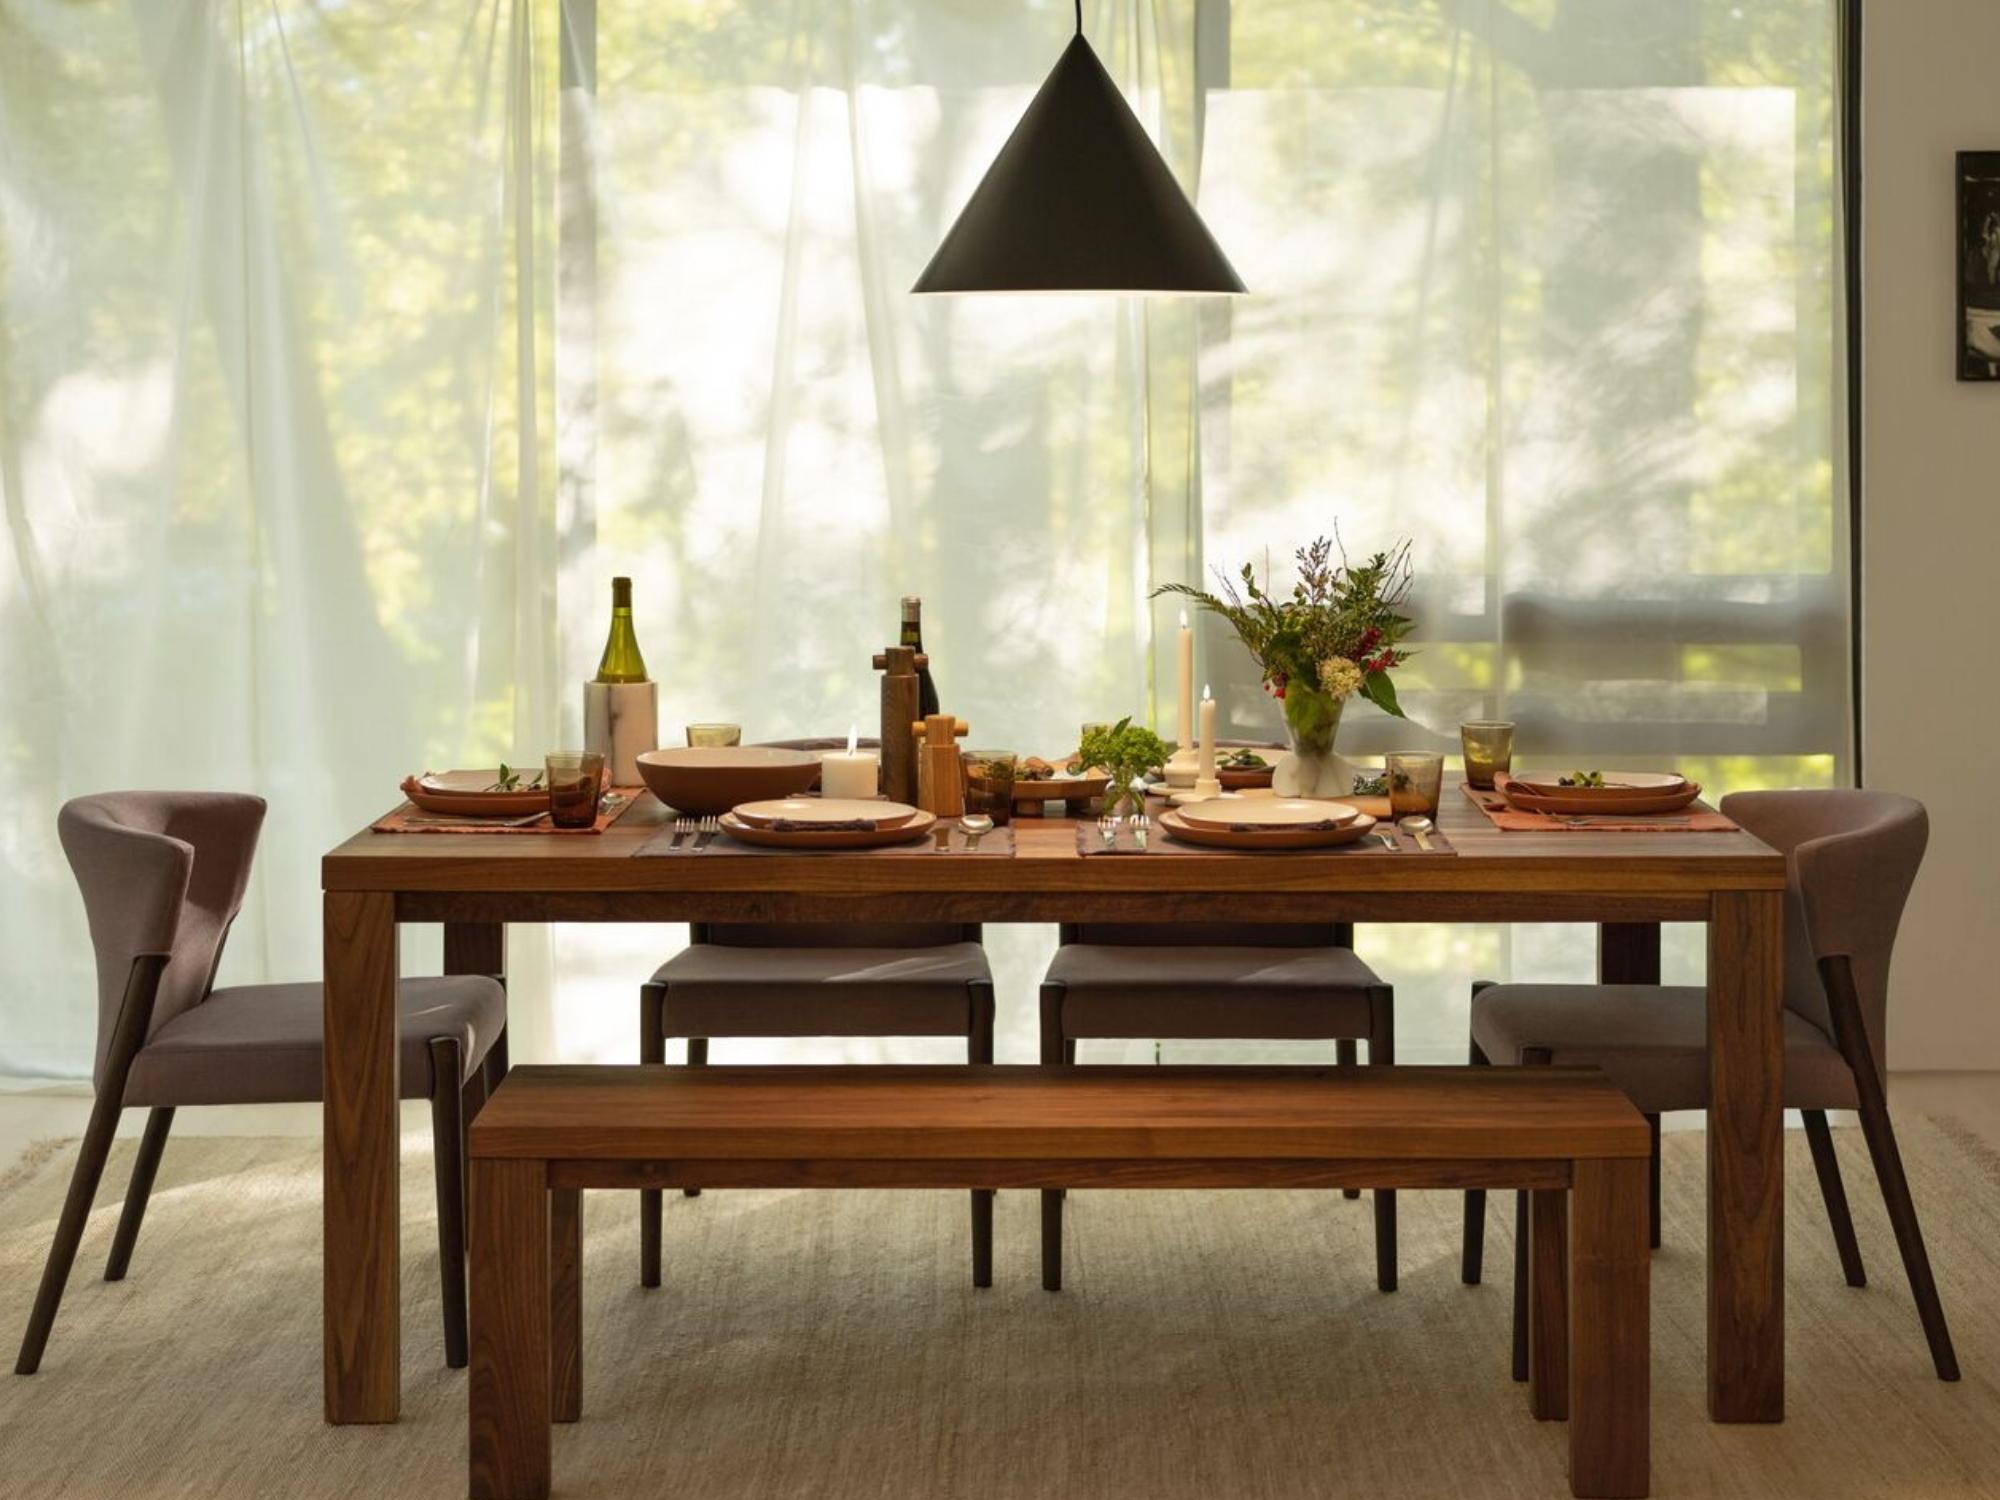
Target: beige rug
x: 830, y: 1345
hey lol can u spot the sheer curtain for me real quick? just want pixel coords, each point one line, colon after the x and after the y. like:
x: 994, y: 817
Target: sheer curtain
x: 345, y: 354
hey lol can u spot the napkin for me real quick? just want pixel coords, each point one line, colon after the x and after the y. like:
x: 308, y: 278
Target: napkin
x: 1325, y: 825
x: 794, y: 825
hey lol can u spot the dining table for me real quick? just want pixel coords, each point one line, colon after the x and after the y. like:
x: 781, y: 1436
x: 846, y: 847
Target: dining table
x: 1626, y: 883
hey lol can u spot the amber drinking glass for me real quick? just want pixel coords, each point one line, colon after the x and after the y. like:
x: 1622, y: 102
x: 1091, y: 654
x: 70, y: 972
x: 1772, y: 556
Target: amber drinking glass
x: 1489, y: 750
x: 1416, y: 782
x: 989, y: 784
x: 575, y: 781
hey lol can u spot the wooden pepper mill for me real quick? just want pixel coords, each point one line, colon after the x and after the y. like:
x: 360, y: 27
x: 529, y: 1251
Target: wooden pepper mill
x: 940, y: 769
x: 898, y: 666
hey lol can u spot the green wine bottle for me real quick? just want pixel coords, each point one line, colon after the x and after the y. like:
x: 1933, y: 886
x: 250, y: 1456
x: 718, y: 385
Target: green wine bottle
x: 913, y: 636
x: 621, y: 661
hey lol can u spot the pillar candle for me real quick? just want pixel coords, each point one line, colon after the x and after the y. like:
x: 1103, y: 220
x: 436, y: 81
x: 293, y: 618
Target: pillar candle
x: 848, y: 773
x: 1186, y: 734
x: 1206, y: 769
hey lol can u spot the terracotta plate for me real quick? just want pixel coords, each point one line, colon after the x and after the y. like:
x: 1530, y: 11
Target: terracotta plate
x: 468, y: 794
x: 1235, y: 778
x: 1574, y: 804
x: 824, y: 810
x: 1617, y: 784
x: 1265, y: 838
x: 1275, y: 812
x: 828, y: 838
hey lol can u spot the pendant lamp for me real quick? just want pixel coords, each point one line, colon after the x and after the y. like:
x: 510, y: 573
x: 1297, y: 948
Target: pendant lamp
x: 1078, y: 200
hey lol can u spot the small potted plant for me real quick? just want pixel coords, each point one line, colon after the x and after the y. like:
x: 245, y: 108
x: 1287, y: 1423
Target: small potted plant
x: 1336, y: 636
x: 1126, y: 752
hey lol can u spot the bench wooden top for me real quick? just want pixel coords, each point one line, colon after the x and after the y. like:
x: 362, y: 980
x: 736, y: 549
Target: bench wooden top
x: 1086, y: 1113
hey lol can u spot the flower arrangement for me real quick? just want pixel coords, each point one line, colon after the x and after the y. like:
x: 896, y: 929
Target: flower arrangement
x: 1336, y: 635
x: 1127, y: 751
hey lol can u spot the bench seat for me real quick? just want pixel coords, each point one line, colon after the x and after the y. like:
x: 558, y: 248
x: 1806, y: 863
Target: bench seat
x: 1565, y: 1134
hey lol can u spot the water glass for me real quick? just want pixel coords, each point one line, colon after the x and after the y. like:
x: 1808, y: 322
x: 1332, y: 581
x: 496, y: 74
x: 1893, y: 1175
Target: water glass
x: 715, y: 735
x: 1416, y: 782
x: 989, y: 784
x: 1489, y: 750
x: 575, y: 780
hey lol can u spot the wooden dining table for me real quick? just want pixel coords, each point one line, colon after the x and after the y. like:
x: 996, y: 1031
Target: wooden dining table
x: 1626, y: 883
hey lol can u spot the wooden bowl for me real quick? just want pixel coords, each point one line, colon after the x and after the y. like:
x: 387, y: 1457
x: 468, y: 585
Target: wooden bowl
x: 715, y: 778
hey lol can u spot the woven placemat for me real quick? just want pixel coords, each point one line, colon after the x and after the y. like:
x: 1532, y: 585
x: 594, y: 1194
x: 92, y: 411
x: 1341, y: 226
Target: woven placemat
x: 1158, y: 841
x: 999, y: 843
x: 409, y: 818
x: 1502, y: 814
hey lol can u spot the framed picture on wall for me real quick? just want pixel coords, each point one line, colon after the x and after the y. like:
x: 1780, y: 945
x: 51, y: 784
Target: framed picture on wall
x: 1978, y: 265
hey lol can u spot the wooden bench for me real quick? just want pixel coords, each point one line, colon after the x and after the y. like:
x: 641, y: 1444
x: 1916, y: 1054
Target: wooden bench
x: 1565, y: 1134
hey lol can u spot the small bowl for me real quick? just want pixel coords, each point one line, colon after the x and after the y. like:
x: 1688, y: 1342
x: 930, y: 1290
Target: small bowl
x: 713, y: 779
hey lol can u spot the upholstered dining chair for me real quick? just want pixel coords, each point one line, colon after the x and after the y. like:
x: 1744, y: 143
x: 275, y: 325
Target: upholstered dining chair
x: 1852, y: 858
x: 819, y: 979
x: 162, y: 875
x: 1228, y: 981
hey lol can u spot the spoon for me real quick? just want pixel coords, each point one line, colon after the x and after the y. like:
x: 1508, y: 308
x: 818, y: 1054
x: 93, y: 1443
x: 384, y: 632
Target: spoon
x: 1418, y: 829
x: 974, y: 826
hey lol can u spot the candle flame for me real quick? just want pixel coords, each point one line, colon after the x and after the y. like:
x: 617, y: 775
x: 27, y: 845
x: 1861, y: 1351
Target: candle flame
x: 1184, y: 619
x: 850, y: 739
x: 1204, y: 692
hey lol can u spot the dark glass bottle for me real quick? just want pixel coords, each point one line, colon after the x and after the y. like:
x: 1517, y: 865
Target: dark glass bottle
x: 913, y: 635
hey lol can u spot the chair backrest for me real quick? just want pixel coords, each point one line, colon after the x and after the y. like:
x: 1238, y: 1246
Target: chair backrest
x: 1851, y: 859
x: 835, y: 934
x: 160, y: 872
x: 1210, y: 934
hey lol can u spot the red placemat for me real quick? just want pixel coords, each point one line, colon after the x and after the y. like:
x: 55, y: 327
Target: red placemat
x: 1695, y: 818
x: 409, y: 818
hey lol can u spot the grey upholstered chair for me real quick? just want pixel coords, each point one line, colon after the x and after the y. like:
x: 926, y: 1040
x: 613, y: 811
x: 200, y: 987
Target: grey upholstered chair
x: 1270, y: 981
x: 1853, y: 856
x: 162, y: 876
x: 777, y: 979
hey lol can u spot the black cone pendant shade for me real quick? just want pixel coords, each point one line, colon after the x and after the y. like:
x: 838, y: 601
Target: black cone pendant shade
x: 1079, y: 201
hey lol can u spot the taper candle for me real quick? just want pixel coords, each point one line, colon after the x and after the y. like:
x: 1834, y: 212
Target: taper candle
x: 1186, y: 735
x: 1206, y: 769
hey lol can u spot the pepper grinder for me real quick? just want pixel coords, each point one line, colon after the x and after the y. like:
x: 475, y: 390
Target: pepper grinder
x: 898, y: 666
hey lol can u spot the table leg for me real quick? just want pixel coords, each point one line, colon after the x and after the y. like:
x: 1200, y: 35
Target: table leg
x: 362, y: 1277
x: 566, y: 1301
x: 476, y: 948
x: 1746, y: 1163
x: 509, y: 1387
x: 1628, y: 953
x: 1610, y: 1368
x: 1548, y: 1304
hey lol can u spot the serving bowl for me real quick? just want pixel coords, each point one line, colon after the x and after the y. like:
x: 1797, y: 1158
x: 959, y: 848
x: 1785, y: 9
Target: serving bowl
x: 715, y: 778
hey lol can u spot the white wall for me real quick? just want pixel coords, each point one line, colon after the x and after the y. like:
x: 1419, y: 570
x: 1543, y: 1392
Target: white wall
x: 1931, y: 523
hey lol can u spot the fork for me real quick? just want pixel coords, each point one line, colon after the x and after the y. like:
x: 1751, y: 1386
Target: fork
x: 1107, y: 829
x: 1141, y: 825
x: 705, y: 833
x: 682, y: 828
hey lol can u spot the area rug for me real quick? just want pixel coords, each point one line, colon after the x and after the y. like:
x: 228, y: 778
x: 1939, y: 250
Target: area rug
x: 831, y: 1345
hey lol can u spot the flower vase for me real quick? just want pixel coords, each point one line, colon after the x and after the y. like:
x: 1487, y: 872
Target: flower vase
x: 1310, y: 768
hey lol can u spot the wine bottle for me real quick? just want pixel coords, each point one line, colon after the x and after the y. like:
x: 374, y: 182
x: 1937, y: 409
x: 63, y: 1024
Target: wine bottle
x: 913, y: 636
x: 621, y: 661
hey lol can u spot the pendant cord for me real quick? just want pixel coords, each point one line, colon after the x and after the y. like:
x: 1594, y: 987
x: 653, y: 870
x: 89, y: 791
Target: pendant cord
x: 1079, y: 17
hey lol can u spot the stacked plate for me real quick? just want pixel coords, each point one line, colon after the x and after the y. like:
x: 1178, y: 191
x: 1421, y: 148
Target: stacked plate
x: 1623, y: 792
x: 1267, y: 823
x: 826, y: 823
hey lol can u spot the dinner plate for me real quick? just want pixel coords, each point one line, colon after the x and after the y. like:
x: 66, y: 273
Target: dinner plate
x: 471, y: 794
x: 1276, y: 837
x: 1061, y: 787
x: 1265, y: 812
x: 824, y: 810
x: 828, y: 838
x: 1572, y: 804
x: 1617, y: 784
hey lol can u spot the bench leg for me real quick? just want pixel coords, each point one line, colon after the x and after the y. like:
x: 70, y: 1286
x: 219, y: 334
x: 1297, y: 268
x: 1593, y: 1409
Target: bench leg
x: 509, y: 1385
x: 1057, y: 1051
x: 652, y: 1049
x: 1610, y: 1378
x: 1548, y: 1304
x: 566, y: 1303
x: 1348, y: 1054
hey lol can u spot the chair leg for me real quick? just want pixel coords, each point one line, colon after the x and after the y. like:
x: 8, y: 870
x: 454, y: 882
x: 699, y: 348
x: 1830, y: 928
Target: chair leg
x: 1531, y: 1057
x: 1382, y: 1054
x: 1827, y: 1165
x: 1472, y: 1249
x: 1347, y: 1054
x: 145, y: 1166
x: 652, y: 1050
x: 448, y: 1149
x: 979, y: 1052
x: 495, y: 1065
x: 1057, y: 1051
x: 697, y: 1057
x: 1653, y: 1186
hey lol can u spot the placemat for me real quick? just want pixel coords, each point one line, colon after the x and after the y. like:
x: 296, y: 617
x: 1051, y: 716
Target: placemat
x: 1158, y: 841
x: 1697, y: 817
x: 409, y: 818
x: 999, y: 842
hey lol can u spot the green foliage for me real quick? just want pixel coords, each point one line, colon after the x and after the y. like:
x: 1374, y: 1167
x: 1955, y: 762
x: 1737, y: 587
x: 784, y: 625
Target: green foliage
x: 1125, y: 750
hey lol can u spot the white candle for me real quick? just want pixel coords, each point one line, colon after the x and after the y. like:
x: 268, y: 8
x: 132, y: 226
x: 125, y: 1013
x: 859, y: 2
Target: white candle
x: 1186, y: 735
x: 1206, y: 770
x: 849, y: 772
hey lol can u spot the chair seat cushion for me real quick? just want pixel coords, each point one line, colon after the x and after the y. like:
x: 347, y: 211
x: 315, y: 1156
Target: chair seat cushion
x: 1120, y: 990
x: 718, y: 989
x: 1651, y: 1039
x: 263, y: 1043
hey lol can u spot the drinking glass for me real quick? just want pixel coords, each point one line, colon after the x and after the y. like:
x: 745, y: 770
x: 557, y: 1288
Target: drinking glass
x: 1489, y: 749
x: 989, y: 784
x: 1416, y: 782
x: 575, y: 779
x: 715, y: 735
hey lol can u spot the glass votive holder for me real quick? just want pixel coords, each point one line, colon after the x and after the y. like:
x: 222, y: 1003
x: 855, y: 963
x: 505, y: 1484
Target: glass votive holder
x: 989, y: 784
x: 575, y: 779
x: 1489, y: 750
x: 1416, y: 782
x: 715, y: 735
